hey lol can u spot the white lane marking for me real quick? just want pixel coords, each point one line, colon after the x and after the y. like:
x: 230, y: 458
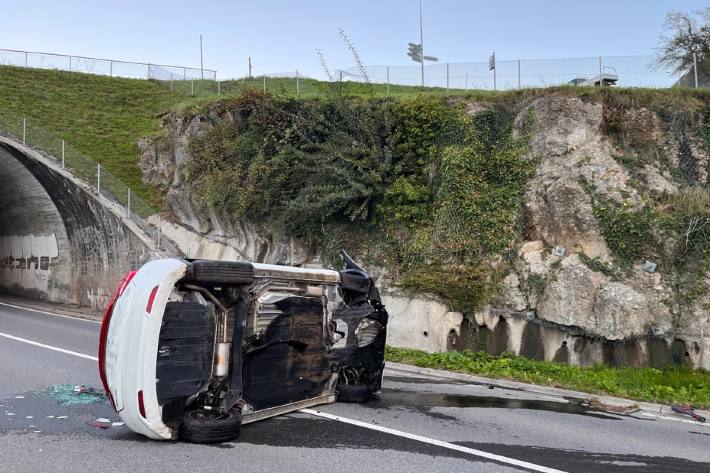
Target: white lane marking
x: 438, y: 443
x: 686, y: 421
x: 49, y: 313
x: 48, y: 347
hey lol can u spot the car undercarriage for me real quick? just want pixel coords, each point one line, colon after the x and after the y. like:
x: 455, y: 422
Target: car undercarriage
x: 239, y: 342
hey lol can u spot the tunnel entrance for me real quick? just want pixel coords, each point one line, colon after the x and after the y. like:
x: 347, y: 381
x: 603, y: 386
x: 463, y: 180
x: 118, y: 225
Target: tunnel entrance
x: 57, y: 241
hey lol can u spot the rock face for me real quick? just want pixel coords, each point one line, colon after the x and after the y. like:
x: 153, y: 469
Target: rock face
x: 580, y: 297
x: 567, y: 138
x: 564, y: 298
x: 566, y: 303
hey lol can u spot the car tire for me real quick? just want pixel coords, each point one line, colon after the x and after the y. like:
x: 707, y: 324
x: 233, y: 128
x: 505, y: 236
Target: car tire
x: 220, y: 272
x: 353, y: 393
x: 201, y: 426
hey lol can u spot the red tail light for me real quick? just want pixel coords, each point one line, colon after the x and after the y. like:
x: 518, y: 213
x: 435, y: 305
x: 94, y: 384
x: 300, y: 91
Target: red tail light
x: 104, y: 332
x: 141, y: 406
x: 151, y: 299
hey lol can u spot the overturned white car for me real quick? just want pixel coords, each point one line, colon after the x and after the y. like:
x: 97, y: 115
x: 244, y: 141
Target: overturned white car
x: 196, y: 348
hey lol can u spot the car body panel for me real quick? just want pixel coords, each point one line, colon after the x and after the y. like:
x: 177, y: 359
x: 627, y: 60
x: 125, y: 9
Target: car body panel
x: 131, y: 359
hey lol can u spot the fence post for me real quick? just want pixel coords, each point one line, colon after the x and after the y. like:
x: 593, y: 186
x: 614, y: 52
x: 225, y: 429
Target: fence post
x: 69, y: 63
x: 298, y: 86
x: 24, y: 131
x: 98, y: 179
x: 219, y: 87
x: 148, y: 76
x: 171, y: 82
x: 192, y: 87
x: 447, y: 76
x: 25, y: 58
x: 388, y: 79
x: 519, y: 86
x: 695, y: 68
x: 601, y: 71
x: 184, y: 74
x: 264, y: 83
x: 110, y: 69
x: 62, y: 154
x: 128, y: 206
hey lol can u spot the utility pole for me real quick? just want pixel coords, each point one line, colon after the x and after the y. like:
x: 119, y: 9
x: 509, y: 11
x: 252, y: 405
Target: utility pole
x: 421, y: 38
x: 202, y: 68
x: 250, y: 67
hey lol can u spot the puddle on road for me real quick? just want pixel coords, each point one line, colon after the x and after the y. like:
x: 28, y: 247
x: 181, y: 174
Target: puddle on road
x: 414, y: 380
x: 395, y: 397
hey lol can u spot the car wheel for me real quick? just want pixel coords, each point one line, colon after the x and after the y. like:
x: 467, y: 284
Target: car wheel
x: 201, y: 426
x: 353, y: 393
x: 224, y: 272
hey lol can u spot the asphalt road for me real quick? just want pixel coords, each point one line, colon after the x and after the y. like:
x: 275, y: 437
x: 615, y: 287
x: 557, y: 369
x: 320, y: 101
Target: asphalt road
x: 417, y: 424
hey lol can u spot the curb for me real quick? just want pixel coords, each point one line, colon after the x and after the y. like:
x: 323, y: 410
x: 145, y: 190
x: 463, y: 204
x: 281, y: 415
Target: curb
x: 52, y: 308
x: 647, y: 407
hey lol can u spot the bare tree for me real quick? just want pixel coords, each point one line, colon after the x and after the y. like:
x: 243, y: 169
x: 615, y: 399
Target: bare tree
x: 685, y: 34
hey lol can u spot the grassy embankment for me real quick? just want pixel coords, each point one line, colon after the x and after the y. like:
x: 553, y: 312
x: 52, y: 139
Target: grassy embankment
x: 99, y: 117
x: 670, y: 385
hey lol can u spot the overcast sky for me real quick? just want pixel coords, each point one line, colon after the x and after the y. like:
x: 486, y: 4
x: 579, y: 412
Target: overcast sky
x: 283, y: 35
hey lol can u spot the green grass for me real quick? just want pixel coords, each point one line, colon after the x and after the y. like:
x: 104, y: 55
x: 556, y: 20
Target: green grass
x: 101, y: 117
x: 670, y: 385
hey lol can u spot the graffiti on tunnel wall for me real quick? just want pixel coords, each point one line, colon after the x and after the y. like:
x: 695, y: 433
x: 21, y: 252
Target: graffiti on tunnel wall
x: 27, y: 261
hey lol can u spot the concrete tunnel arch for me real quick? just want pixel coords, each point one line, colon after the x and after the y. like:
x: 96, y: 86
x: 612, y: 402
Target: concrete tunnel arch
x: 58, y: 241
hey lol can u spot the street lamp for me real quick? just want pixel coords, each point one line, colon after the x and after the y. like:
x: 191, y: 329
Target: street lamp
x: 416, y: 51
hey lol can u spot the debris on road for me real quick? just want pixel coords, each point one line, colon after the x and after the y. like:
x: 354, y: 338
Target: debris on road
x: 101, y: 423
x: 687, y: 409
x: 74, y: 394
x: 613, y: 409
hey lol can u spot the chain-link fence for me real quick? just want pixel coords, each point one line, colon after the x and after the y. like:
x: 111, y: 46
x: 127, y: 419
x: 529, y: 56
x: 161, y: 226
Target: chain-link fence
x: 622, y: 71
x: 106, y: 67
x: 104, y: 184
